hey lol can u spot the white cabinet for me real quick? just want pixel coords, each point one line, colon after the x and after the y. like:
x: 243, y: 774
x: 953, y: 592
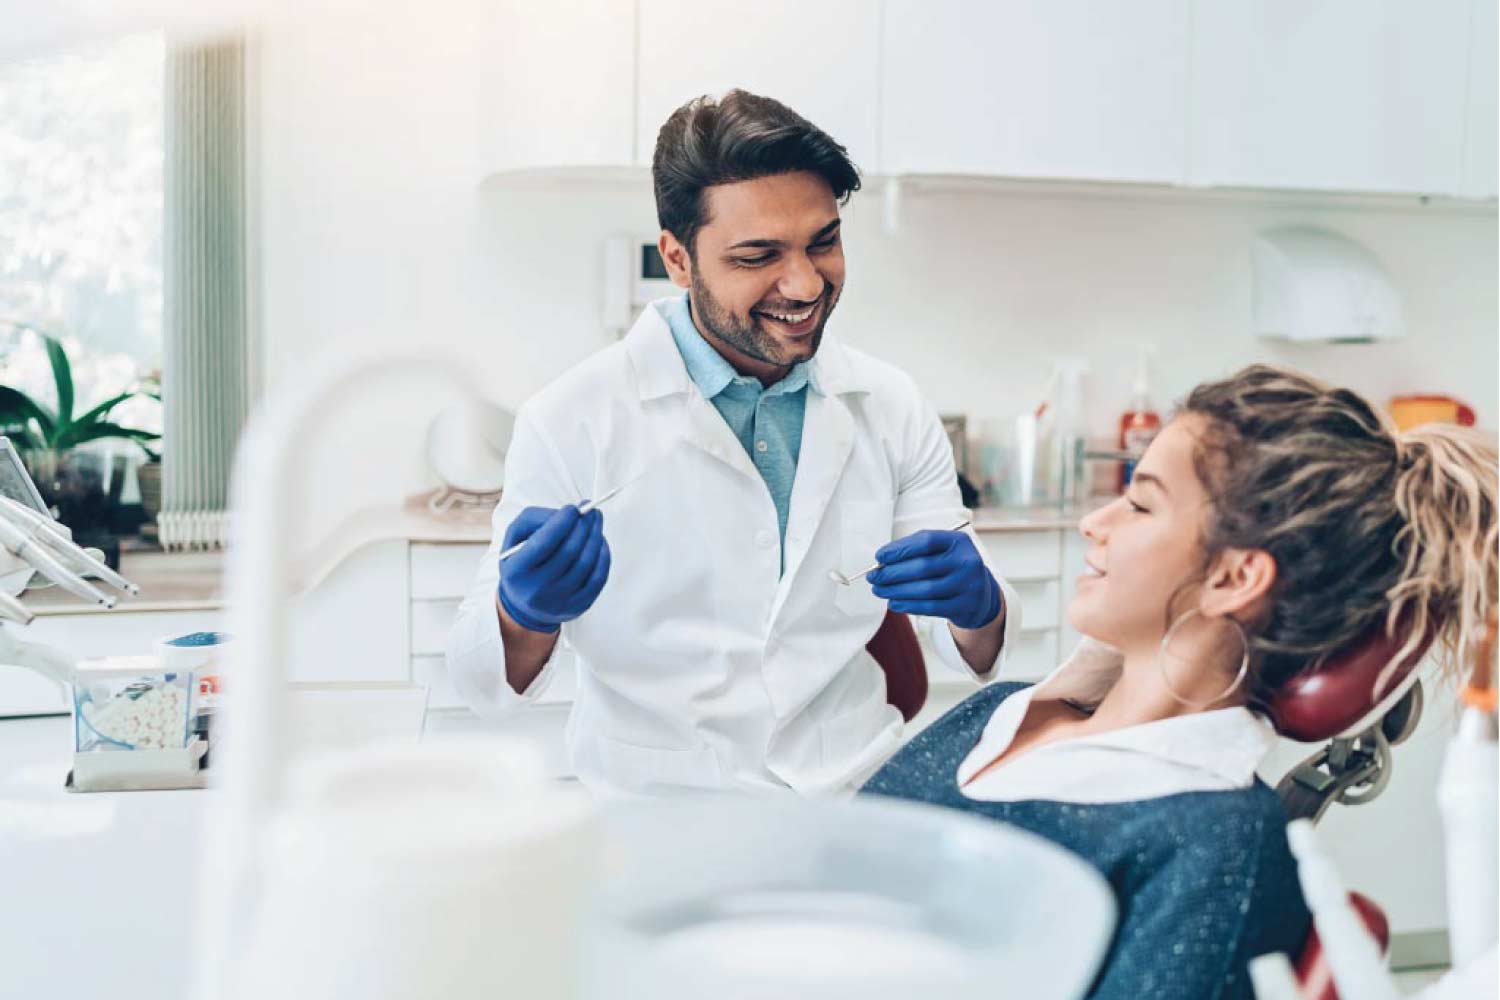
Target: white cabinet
x: 558, y: 85
x: 820, y: 59
x: 1480, y: 164
x: 1035, y: 88
x: 353, y: 625
x: 1031, y: 562
x: 1355, y: 95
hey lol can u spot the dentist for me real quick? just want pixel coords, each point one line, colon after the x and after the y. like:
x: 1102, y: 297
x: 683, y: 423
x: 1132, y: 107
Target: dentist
x: 756, y: 455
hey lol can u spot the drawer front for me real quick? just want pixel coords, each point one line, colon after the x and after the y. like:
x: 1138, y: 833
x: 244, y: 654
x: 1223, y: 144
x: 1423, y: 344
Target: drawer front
x: 430, y: 624
x: 1024, y: 555
x: 1039, y: 609
x: 1033, y: 657
x: 443, y: 571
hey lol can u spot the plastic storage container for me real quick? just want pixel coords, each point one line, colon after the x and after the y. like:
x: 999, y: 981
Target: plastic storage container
x: 130, y: 703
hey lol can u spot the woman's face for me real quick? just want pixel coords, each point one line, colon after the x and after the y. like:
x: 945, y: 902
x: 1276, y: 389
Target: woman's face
x: 1144, y: 546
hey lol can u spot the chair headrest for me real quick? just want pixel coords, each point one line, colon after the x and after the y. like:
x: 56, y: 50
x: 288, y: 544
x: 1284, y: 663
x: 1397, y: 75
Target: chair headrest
x: 1337, y: 697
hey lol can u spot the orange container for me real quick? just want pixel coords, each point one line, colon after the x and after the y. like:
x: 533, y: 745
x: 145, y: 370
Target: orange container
x: 1413, y: 411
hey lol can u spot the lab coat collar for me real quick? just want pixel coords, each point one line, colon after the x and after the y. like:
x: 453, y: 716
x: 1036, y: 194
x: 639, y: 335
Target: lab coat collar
x: 1228, y: 742
x: 660, y: 370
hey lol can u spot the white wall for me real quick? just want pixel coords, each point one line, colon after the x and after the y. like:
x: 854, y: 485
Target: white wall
x: 374, y: 227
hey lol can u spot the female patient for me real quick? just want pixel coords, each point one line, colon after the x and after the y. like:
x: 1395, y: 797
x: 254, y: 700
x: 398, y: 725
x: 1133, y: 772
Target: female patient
x: 1274, y: 521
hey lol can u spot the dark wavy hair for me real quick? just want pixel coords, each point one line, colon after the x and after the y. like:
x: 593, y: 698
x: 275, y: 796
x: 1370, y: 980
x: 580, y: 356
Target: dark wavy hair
x: 1369, y: 527
x: 739, y: 137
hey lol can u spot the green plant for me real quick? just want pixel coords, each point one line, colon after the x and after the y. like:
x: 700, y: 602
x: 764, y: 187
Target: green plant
x: 35, y: 427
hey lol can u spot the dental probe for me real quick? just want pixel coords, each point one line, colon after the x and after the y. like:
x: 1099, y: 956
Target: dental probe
x: 37, y: 555
x: 846, y: 581
x: 583, y: 508
x: 44, y: 530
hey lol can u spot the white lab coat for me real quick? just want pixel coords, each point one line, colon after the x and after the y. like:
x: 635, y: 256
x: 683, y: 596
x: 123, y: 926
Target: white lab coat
x: 702, y: 665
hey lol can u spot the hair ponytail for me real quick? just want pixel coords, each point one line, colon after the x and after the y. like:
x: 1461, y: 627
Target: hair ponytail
x: 1370, y: 528
x: 1449, y: 546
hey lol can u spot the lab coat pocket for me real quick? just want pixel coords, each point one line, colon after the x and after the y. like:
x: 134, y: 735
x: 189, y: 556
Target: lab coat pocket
x: 634, y: 768
x: 864, y: 526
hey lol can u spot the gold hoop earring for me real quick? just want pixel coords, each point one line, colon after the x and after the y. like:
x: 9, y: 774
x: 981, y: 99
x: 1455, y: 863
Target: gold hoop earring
x: 1239, y: 678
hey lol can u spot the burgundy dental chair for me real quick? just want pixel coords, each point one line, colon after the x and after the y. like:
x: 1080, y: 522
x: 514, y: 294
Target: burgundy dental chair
x: 1330, y: 704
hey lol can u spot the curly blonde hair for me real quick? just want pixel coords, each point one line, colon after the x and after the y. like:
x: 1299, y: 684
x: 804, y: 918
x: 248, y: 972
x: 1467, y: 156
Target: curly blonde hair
x: 1369, y: 527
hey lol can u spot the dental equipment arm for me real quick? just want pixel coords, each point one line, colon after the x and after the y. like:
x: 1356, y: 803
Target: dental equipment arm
x: 1353, y: 955
x: 51, y: 663
x: 13, y: 610
x: 20, y: 543
x: 44, y: 530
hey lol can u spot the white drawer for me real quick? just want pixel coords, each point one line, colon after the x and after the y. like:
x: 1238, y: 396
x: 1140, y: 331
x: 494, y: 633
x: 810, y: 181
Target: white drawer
x: 430, y: 623
x: 1033, y: 657
x: 443, y: 571
x: 1025, y: 555
x: 1039, y: 608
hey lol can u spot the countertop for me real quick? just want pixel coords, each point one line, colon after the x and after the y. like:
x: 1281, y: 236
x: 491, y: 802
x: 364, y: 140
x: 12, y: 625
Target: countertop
x: 100, y: 887
x: 193, y: 581
x: 169, y: 581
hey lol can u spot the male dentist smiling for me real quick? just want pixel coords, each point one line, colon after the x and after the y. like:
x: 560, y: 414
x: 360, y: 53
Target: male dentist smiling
x: 713, y: 650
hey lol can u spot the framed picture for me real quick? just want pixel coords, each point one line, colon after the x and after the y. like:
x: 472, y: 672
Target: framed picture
x: 16, y: 482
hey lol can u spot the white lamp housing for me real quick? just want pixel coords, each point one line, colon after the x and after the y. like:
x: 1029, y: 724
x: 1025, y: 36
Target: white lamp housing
x: 1315, y: 285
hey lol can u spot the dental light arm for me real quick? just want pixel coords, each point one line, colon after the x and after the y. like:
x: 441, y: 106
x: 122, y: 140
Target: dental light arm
x: 44, y: 529
x: 51, y: 663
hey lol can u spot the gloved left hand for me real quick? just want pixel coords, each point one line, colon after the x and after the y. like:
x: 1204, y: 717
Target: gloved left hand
x: 937, y: 573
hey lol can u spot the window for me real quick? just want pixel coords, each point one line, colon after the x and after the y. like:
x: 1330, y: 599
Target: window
x: 81, y: 208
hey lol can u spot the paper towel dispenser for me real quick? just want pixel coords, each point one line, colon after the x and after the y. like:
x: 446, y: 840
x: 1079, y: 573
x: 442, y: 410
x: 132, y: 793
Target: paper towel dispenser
x: 1313, y: 284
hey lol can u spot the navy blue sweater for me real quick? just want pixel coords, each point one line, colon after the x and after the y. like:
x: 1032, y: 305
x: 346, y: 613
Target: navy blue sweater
x: 1204, y: 880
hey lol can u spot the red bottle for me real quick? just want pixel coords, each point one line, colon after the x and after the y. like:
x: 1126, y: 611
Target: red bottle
x: 1139, y: 424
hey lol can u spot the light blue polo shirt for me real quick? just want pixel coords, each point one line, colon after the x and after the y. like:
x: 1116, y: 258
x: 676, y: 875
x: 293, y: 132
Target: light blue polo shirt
x: 767, y: 420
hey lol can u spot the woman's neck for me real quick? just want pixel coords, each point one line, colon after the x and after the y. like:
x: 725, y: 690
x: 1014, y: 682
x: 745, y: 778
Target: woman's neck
x: 1141, y: 694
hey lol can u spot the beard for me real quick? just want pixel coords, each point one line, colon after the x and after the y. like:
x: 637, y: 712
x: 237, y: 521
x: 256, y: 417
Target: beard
x: 747, y: 335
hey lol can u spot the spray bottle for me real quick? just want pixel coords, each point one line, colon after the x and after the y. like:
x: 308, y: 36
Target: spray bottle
x: 1140, y: 424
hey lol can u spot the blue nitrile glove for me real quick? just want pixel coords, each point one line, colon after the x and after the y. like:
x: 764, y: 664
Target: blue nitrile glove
x: 937, y: 573
x: 559, y: 572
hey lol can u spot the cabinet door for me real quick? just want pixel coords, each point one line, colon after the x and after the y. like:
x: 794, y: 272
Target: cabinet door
x: 354, y: 626
x: 1035, y: 88
x: 1075, y: 548
x: 1480, y: 164
x: 558, y: 81
x: 820, y: 59
x: 1357, y: 95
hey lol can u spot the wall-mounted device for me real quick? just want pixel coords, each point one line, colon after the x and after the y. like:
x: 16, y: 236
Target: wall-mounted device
x: 634, y: 276
x: 1315, y: 285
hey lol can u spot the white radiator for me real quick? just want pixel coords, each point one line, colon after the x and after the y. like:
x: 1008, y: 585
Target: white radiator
x: 205, y: 391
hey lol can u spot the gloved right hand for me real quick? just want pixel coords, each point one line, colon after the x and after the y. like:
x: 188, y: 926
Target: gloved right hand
x: 558, y: 574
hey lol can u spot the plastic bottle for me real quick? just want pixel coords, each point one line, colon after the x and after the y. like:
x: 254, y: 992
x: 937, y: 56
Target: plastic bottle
x: 1068, y: 429
x: 1139, y: 424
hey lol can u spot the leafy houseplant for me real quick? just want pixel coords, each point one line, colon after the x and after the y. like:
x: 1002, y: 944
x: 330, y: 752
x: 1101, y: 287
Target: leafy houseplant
x: 46, y: 436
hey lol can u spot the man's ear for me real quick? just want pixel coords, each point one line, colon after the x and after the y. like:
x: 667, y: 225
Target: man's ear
x: 675, y: 256
x: 1238, y: 585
